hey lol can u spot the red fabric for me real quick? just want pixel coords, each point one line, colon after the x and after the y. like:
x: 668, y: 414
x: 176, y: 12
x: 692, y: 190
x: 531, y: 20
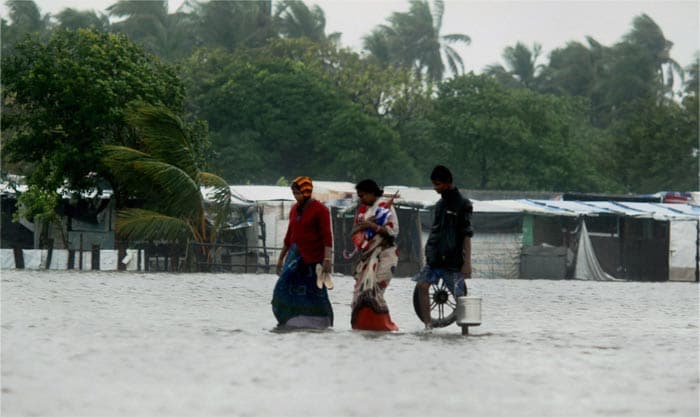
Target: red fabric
x: 311, y: 232
x: 367, y: 319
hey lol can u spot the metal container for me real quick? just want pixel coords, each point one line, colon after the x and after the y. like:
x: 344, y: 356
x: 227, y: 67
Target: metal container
x: 468, y: 311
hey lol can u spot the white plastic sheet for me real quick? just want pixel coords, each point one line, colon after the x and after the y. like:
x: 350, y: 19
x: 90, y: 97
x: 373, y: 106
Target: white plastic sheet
x: 496, y: 255
x: 7, y: 259
x: 587, y: 265
x: 682, y: 251
x: 59, y: 259
x: 108, y: 260
x: 34, y: 258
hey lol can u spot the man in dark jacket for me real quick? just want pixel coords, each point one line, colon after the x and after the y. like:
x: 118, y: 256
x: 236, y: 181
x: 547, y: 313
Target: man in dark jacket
x: 448, y: 250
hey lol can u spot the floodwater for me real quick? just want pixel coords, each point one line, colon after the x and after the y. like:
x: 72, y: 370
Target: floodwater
x: 133, y: 344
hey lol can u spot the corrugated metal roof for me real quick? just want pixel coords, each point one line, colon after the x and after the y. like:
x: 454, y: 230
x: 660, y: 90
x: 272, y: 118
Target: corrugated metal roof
x: 660, y: 211
x: 542, y: 207
x: 334, y: 186
x: 481, y: 206
x: 689, y: 209
x: 528, y: 206
x: 253, y: 193
x: 612, y: 207
x: 574, y: 207
x: 413, y: 196
x: 248, y: 194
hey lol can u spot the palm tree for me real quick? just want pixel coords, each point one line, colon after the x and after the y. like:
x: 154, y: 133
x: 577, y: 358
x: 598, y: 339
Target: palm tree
x: 692, y: 70
x: 148, y: 23
x: 73, y: 19
x: 295, y: 20
x: 231, y: 24
x: 166, y: 176
x: 25, y: 18
x: 522, y: 66
x: 413, y: 40
x: 571, y: 70
x: 648, y: 35
x: 377, y: 43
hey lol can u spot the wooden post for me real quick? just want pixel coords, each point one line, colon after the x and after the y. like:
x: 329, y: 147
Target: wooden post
x: 49, y: 255
x: 263, y: 233
x: 19, y: 257
x: 80, y: 256
x: 121, y: 253
x: 95, y: 261
x: 245, y: 257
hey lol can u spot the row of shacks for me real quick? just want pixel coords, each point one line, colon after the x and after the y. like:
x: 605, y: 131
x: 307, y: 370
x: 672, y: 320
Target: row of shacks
x: 569, y: 237
x: 514, y: 238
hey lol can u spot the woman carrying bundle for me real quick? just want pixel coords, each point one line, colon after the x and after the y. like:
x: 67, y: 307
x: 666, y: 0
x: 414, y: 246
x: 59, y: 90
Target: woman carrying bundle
x: 374, y: 233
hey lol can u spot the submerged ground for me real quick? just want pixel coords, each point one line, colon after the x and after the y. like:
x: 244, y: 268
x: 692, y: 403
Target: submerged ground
x: 115, y: 344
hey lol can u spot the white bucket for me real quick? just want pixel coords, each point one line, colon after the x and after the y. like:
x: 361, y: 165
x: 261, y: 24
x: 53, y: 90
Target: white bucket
x: 468, y: 311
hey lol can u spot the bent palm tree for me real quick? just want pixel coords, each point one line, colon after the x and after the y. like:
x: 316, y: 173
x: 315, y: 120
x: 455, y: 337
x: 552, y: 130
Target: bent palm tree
x: 234, y: 24
x: 413, y: 39
x: 295, y: 20
x: 148, y: 23
x: 649, y: 37
x: 25, y: 18
x: 74, y: 19
x: 522, y: 68
x: 166, y: 176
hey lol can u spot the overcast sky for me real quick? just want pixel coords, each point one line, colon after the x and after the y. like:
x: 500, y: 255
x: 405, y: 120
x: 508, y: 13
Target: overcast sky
x: 494, y: 25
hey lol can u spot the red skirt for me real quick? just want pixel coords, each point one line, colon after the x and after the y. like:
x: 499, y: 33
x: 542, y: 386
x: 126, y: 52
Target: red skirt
x: 366, y: 319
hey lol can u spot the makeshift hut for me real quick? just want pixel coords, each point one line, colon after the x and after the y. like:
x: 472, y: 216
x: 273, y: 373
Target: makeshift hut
x: 628, y: 240
x: 497, y: 240
x: 651, y: 241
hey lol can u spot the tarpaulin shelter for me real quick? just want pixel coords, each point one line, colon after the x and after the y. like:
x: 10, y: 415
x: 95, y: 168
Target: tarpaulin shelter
x: 265, y: 224
x: 630, y: 240
x: 656, y: 241
x: 497, y: 228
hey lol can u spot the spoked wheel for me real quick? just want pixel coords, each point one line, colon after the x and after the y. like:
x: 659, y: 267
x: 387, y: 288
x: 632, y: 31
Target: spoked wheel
x: 442, y: 304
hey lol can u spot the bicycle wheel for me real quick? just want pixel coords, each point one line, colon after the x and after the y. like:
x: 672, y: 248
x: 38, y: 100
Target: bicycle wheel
x: 442, y: 304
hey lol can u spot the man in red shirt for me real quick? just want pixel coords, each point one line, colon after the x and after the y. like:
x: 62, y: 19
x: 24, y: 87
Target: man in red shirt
x: 296, y: 299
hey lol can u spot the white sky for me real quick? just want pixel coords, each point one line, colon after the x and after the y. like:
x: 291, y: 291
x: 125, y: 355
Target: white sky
x: 494, y: 25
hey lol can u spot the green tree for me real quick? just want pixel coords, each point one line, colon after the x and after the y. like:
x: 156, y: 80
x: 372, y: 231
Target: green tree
x: 413, y: 40
x: 164, y: 173
x: 572, y: 70
x: 581, y: 70
x: 521, y: 66
x: 148, y: 23
x: 64, y: 99
x: 275, y: 117
x: 638, y: 67
x: 692, y: 109
x: 648, y: 36
x: 295, y: 20
x: 74, y: 19
x: 39, y: 207
x: 655, y: 147
x: 375, y: 88
x: 693, y: 76
x: 234, y: 24
x: 501, y: 138
x: 25, y: 19
x: 354, y: 146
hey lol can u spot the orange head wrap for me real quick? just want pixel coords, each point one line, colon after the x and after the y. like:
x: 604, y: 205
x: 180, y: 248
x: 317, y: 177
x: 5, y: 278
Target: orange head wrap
x: 304, y: 185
